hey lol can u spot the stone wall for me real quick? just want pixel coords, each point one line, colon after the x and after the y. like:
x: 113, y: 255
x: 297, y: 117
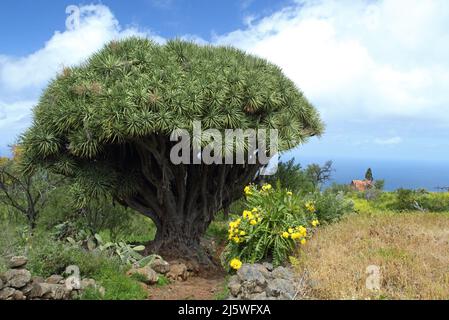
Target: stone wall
x: 262, y: 282
x: 18, y: 284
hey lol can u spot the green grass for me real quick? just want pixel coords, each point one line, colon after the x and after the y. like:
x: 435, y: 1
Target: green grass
x: 163, y: 281
x: 117, y: 286
x: 223, y: 293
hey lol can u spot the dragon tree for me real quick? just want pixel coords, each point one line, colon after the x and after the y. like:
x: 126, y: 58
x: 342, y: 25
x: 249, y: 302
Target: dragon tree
x: 107, y: 124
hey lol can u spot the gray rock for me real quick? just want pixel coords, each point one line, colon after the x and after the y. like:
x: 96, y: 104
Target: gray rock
x: 17, y: 262
x: 54, y: 279
x: 268, y: 266
x: 251, y: 276
x: 17, y: 278
x: 86, y: 283
x: 39, y: 290
x: 27, y: 289
x: 37, y: 279
x: 102, y: 291
x: 151, y: 276
x: 265, y: 272
x: 18, y: 295
x: 281, y: 288
x: 160, y: 266
x: 259, y: 296
x: 6, y: 293
x: 234, y: 286
x: 57, y: 292
x: 283, y: 273
x: 48, y: 291
x: 72, y: 283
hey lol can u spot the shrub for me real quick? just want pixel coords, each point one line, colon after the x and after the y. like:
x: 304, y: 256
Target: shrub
x: 274, y: 224
x: 331, y: 207
x: 406, y: 199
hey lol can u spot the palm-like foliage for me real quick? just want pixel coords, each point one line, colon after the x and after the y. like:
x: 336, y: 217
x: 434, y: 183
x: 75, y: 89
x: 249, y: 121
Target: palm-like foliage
x: 107, y: 123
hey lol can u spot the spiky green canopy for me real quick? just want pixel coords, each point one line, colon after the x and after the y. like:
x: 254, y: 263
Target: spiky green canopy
x: 135, y: 88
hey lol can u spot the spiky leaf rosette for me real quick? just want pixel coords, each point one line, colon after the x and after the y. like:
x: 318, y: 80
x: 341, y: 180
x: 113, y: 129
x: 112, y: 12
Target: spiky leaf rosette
x: 135, y: 88
x: 107, y: 121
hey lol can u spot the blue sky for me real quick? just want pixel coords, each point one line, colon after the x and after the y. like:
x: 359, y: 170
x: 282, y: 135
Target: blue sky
x: 376, y: 70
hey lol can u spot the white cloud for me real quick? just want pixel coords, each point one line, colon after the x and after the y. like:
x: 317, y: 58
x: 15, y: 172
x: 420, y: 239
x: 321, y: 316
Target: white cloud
x: 14, y: 119
x: 360, y: 59
x: 388, y: 141
x: 97, y: 27
x: 25, y: 77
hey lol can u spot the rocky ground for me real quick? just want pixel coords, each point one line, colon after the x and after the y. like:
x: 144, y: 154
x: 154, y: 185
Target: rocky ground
x: 264, y: 282
x: 18, y: 284
x: 181, y: 282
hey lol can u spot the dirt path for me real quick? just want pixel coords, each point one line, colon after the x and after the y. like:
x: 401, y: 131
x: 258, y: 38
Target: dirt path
x: 195, y: 288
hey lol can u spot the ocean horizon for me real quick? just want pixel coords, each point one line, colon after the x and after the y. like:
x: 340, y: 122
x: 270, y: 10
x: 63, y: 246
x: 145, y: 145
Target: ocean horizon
x: 408, y: 174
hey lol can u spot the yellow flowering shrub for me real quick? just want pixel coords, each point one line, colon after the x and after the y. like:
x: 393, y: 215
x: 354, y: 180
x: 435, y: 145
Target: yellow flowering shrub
x: 274, y: 223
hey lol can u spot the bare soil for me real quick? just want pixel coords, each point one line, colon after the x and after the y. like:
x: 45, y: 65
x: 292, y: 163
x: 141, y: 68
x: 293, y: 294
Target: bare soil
x: 194, y: 288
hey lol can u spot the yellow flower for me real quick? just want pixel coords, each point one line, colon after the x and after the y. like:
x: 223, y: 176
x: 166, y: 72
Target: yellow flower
x: 290, y: 230
x: 254, y: 210
x: 266, y: 187
x: 236, y: 239
x: 285, y: 235
x: 310, y: 206
x: 296, y: 236
x: 242, y: 233
x: 247, y: 190
x: 235, y: 264
x: 247, y: 214
x: 289, y: 193
x: 302, y: 230
x: 303, y: 241
x: 253, y: 222
x: 315, y: 223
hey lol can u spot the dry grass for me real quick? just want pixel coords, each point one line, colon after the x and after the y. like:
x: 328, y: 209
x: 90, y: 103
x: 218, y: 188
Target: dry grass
x: 411, y: 249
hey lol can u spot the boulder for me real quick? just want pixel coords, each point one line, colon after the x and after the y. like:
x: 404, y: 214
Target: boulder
x: 268, y: 266
x: 48, y: 291
x: 160, y: 266
x: 281, y: 288
x: 54, y: 279
x: 151, y: 276
x: 283, y: 273
x: 264, y: 271
x: 17, y: 278
x: 27, y: 289
x: 250, y: 275
x: 6, y: 293
x: 37, y: 279
x: 234, y: 286
x: 259, y: 296
x: 72, y: 283
x: 18, y: 295
x: 17, y: 262
x: 86, y: 283
x: 178, y: 271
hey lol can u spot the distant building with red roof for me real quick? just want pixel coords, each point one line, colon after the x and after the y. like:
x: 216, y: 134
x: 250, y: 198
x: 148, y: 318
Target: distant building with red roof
x: 361, y: 185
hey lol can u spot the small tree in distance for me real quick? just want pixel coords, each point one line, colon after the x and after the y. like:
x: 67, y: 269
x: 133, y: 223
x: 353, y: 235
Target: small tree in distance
x: 369, y: 175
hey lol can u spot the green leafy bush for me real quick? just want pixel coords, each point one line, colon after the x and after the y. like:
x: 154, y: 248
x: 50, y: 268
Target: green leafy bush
x: 406, y: 199
x: 331, y: 207
x: 275, y: 222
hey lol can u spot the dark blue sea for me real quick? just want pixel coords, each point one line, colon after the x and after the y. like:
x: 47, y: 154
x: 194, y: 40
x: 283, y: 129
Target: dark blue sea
x: 410, y: 174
